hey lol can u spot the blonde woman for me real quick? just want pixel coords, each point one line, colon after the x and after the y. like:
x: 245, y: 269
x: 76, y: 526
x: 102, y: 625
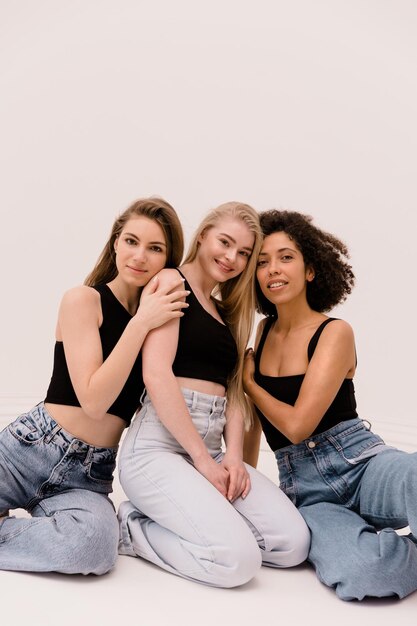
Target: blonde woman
x: 57, y: 460
x: 193, y: 510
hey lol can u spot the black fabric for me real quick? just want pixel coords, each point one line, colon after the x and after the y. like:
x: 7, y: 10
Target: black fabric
x: 287, y: 388
x: 206, y: 347
x: 115, y: 320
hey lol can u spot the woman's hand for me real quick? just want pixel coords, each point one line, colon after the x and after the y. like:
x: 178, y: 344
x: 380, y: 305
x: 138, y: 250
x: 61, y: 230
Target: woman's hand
x: 160, y: 305
x: 216, y: 474
x: 248, y: 370
x: 239, y: 481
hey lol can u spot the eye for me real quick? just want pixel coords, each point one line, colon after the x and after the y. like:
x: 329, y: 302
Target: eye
x: 156, y: 249
x: 244, y: 253
x: 130, y: 241
x: 224, y: 242
x: 287, y: 257
x: 261, y: 263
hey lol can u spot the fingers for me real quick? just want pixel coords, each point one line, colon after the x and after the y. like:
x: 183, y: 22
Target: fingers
x: 246, y: 488
x: 239, y: 484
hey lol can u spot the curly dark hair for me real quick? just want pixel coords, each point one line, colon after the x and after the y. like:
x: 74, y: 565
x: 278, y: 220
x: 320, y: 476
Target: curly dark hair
x: 322, y: 252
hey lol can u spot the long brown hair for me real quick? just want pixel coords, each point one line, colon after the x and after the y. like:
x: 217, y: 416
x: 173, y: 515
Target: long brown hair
x: 153, y: 208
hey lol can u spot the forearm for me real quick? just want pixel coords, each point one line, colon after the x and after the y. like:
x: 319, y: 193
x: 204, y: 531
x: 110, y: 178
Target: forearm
x: 169, y: 403
x: 288, y: 419
x: 108, y: 380
x: 234, y: 433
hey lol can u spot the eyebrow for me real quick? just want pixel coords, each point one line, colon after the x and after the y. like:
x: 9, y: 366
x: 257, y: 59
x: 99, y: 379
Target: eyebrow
x: 159, y: 243
x: 279, y: 250
x: 234, y: 241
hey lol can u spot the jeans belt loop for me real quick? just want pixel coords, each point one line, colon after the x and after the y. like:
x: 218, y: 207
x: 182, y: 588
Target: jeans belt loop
x: 89, y: 455
x: 52, y: 434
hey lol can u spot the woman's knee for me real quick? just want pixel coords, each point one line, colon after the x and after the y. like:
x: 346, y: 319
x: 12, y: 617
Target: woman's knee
x: 236, y: 562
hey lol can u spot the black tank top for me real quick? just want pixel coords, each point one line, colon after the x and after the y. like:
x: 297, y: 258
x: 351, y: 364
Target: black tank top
x: 287, y: 388
x: 115, y: 320
x: 206, y: 347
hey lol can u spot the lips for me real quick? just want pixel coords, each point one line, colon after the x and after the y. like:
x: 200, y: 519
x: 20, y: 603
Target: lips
x: 223, y: 267
x: 276, y: 284
x: 137, y: 270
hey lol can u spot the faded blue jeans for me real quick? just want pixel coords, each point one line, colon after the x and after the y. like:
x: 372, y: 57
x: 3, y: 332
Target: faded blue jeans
x: 353, y: 491
x: 63, y: 483
x: 178, y: 520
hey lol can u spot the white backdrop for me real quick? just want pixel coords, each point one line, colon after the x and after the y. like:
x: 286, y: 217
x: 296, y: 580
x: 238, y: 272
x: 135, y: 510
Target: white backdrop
x: 307, y: 105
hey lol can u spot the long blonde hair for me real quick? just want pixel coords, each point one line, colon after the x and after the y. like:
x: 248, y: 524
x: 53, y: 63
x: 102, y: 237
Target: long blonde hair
x: 153, y: 208
x: 236, y: 297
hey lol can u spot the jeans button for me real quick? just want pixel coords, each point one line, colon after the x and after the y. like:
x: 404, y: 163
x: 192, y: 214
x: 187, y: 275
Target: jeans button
x: 311, y: 444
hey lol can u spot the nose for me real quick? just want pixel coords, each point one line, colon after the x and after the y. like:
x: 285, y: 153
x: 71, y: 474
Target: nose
x: 140, y: 254
x: 274, y: 268
x: 231, y: 255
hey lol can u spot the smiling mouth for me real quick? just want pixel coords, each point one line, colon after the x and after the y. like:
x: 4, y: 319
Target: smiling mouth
x: 277, y: 284
x: 225, y: 268
x: 137, y: 269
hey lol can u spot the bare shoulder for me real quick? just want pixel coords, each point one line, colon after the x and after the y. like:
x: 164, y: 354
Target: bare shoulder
x: 80, y: 298
x: 169, y: 277
x: 338, y: 331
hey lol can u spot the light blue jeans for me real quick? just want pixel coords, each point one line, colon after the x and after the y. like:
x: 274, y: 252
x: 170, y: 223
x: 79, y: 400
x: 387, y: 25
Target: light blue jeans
x: 177, y: 519
x: 353, y: 491
x: 63, y: 482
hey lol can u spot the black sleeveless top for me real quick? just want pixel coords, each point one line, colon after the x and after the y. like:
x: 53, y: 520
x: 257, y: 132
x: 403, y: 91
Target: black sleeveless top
x: 115, y: 320
x: 287, y: 388
x: 206, y: 347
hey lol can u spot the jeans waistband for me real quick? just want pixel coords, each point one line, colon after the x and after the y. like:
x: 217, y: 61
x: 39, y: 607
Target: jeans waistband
x: 197, y: 399
x: 341, y: 430
x: 54, y: 430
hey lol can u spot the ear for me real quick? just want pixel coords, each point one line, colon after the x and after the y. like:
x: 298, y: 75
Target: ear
x: 310, y: 274
x: 202, y: 235
x: 116, y: 243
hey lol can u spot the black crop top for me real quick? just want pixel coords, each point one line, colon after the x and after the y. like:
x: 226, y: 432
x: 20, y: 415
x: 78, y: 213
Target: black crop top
x: 206, y: 347
x: 287, y: 388
x: 115, y: 320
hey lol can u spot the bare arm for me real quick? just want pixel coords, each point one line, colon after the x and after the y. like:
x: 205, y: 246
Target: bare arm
x: 96, y: 383
x: 333, y: 358
x: 158, y: 356
x: 239, y: 481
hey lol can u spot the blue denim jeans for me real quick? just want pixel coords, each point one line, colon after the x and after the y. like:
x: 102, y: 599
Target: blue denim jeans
x: 178, y: 520
x: 353, y: 491
x: 63, y: 483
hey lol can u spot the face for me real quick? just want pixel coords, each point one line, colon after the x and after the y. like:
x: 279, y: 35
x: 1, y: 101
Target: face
x: 225, y: 249
x: 281, y: 271
x: 141, y: 251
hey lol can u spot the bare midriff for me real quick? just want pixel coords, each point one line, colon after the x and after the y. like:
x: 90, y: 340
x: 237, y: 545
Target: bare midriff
x: 203, y: 386
x: 103, y: 433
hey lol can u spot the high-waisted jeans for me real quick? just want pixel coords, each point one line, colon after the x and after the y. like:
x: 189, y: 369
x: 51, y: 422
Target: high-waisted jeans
x: 177, y: 519
x: 353, y: 491
x: 63, y: 482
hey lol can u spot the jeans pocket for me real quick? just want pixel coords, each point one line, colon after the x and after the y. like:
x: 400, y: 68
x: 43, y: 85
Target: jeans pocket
x: 102, y: 466
x: 358, y: 447
x: 27, y: 429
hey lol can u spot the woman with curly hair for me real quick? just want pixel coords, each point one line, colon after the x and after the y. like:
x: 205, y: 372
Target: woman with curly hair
x: 351, y: 488
x: 194, y: 510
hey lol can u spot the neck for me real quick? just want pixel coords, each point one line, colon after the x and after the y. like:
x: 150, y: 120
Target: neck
x: 126, y: 295
x: 198, y: 280
x: 292, y: 316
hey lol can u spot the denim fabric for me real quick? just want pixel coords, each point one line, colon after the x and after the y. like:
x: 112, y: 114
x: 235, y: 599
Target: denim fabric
x: 353, y: 491
x: 178, y: 520
x: 63, y: 482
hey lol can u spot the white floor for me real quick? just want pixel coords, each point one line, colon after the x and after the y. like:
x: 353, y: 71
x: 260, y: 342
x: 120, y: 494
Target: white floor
x: 137, y: 592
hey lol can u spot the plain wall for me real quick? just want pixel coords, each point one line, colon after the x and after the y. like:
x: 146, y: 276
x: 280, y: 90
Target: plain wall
x: 306, y: 105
